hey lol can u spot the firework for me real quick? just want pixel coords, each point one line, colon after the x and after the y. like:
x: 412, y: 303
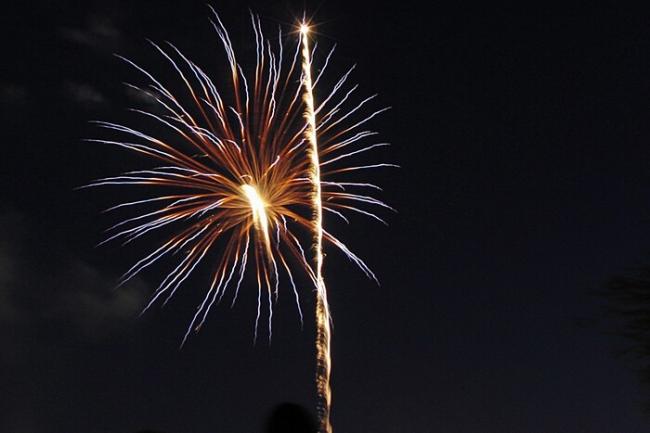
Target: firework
x: 245, y: 171
x: 323, y: 348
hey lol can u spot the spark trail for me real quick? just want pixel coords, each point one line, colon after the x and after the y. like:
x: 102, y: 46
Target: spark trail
x: 323, y: 332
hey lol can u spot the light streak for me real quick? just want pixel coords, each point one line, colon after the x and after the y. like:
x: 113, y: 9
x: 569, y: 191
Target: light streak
x: 243, y: 174
x: 258, y: 209
x: 323, y: 332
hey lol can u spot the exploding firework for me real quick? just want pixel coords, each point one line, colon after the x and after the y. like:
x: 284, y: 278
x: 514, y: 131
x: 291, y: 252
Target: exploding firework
x: 246, y: 171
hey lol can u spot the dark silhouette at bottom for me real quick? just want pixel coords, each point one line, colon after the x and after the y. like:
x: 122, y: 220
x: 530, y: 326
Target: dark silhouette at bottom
x: 290, y: 418
x: 284, y: 418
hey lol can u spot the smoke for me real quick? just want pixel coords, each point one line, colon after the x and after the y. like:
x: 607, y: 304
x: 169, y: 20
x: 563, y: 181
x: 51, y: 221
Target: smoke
x: 45, y: 284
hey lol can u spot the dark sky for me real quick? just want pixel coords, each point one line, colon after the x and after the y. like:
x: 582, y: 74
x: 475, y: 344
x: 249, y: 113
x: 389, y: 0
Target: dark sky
x: 523, y: 140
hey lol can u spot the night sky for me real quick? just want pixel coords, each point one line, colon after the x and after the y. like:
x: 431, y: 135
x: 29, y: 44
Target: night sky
x: 523, y: 137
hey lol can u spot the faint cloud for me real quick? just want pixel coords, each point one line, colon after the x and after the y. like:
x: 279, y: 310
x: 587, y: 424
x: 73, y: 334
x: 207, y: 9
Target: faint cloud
x: 12, y: 94
x: 97, y: 32
x: 147, y: 100
x: 147, y: 97
x: 96, y: 304
x: 84, y: 94
x: 58, y: 288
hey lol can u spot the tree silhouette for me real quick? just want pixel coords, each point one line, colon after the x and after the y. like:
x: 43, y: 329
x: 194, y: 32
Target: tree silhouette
x: 627, y: 311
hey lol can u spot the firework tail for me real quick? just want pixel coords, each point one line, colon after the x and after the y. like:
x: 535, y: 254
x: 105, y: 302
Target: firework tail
x: 323, y: 358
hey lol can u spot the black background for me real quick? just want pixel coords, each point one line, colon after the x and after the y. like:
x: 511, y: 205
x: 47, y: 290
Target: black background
x: 522, y: 136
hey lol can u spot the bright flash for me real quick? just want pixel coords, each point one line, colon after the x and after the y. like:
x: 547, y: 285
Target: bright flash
x: 258, y: 207
x: 246, y: 172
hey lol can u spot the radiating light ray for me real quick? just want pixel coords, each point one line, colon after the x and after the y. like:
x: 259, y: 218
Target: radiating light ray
x: 244, y: 171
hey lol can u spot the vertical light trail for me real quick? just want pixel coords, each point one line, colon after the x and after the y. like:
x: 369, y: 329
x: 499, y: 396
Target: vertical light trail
x: 323, y: 358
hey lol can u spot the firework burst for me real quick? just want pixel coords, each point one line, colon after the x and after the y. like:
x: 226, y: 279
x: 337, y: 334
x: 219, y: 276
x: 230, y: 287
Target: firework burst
x: 246, y: 169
